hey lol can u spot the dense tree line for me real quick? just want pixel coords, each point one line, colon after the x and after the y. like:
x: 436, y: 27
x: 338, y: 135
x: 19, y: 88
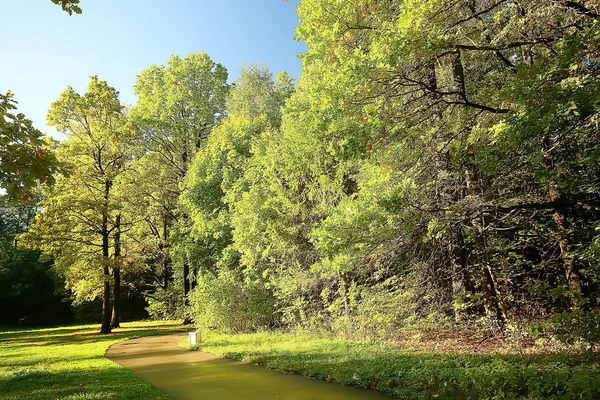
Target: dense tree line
x: 31, y: 292
x: 436, y: 161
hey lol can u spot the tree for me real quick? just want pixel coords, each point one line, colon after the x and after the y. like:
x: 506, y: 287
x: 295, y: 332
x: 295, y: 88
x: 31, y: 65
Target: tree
x: 178, y: 104
x: 26, y: 156
x: 80, y: 215
x: 254, y: 107
x: 289, y: 183
x: 435, y: 81
x: 211, y: 192
x: 31, y: 293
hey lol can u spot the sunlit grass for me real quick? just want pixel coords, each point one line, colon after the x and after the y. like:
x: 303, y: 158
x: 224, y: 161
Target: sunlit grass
x: 69, y: 363
x: 414, y: 373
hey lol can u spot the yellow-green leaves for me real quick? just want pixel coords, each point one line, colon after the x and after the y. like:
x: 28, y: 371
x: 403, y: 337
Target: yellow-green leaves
x: 79, y: 212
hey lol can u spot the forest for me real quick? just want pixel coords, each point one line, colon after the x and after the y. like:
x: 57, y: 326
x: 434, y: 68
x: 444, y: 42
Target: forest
x: 436, y: 165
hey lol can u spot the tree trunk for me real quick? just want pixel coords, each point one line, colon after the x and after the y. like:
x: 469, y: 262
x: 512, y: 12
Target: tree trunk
x: 115, y: 321
x: 105, y: 328
x: 461, y: 286
x: 448, y: 195
x: 164, y: 248
x: 116, y: 309
x: 186, y: 281
x: 186, y: 288
x: 492, y: 300
x: 186, y: 265
x: 562, y: 225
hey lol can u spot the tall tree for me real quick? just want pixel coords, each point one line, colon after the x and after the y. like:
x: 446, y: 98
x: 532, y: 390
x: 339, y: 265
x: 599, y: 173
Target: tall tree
x: 80, y: 213
x: 178, y: 104
x: 254, y: 107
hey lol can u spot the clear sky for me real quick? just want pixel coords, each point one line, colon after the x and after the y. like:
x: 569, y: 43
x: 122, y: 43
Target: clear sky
x: 43, y: 49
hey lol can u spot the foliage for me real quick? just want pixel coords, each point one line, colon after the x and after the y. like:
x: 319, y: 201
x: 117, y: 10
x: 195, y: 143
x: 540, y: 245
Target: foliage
x: 69, y: 6
x: 30, y: 292
x: 166, y: 304
x: 229, y: 303
x: 578, y: 326
x: 26, y: 156
x: 82, y: 212
x: 256, y: 93
x: 212, y: 188
x: 178, y: 104
x: 446, y: 200
x: 288, y: 185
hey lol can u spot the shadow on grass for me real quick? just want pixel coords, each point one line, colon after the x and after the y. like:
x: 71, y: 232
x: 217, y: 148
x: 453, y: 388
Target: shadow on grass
x: 105, y: 382
x: 69, y: 362
x: 12, y: 334
x: 65, y: 336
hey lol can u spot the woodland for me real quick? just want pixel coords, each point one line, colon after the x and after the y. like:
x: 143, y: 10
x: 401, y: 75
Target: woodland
x: 435, y: 166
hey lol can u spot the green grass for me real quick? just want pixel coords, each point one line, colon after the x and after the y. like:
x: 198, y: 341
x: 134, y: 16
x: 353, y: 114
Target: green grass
x: 69, y: 363
x: 415, y: 373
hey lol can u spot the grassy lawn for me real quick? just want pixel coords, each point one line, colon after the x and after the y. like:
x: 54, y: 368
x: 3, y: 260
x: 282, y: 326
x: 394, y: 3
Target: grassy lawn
x: 415, y: 373
x: 69, y: 363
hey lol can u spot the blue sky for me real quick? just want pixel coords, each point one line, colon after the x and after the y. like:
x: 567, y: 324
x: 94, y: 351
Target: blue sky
x: 43, y: 49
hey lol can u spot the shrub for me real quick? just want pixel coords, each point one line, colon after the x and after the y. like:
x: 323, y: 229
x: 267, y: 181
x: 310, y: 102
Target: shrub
x: 579, y: 326
x: 231, y: 303
x: 166, y: 303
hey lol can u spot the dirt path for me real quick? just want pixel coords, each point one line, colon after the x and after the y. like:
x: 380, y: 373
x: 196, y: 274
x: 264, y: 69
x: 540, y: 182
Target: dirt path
x: 195, y: 375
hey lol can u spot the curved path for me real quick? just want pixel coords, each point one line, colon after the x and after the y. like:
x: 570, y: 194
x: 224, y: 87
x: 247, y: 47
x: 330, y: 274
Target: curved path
x: 188, y: 374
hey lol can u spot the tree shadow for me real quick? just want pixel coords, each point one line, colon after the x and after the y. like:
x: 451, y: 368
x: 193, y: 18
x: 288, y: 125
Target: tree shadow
x: 78, y: 333
x: 69, y: 362
x: 107, y: 382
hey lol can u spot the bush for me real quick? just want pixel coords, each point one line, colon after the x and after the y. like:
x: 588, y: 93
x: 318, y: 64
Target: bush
x: 230, y: 303
x: 166, y: 303
x: 578, y: 326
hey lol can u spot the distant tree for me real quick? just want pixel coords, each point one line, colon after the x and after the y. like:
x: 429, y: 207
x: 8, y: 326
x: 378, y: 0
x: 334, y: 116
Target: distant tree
x: 213, y: 186
x: 31, y: 292
x: 253, y: 106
